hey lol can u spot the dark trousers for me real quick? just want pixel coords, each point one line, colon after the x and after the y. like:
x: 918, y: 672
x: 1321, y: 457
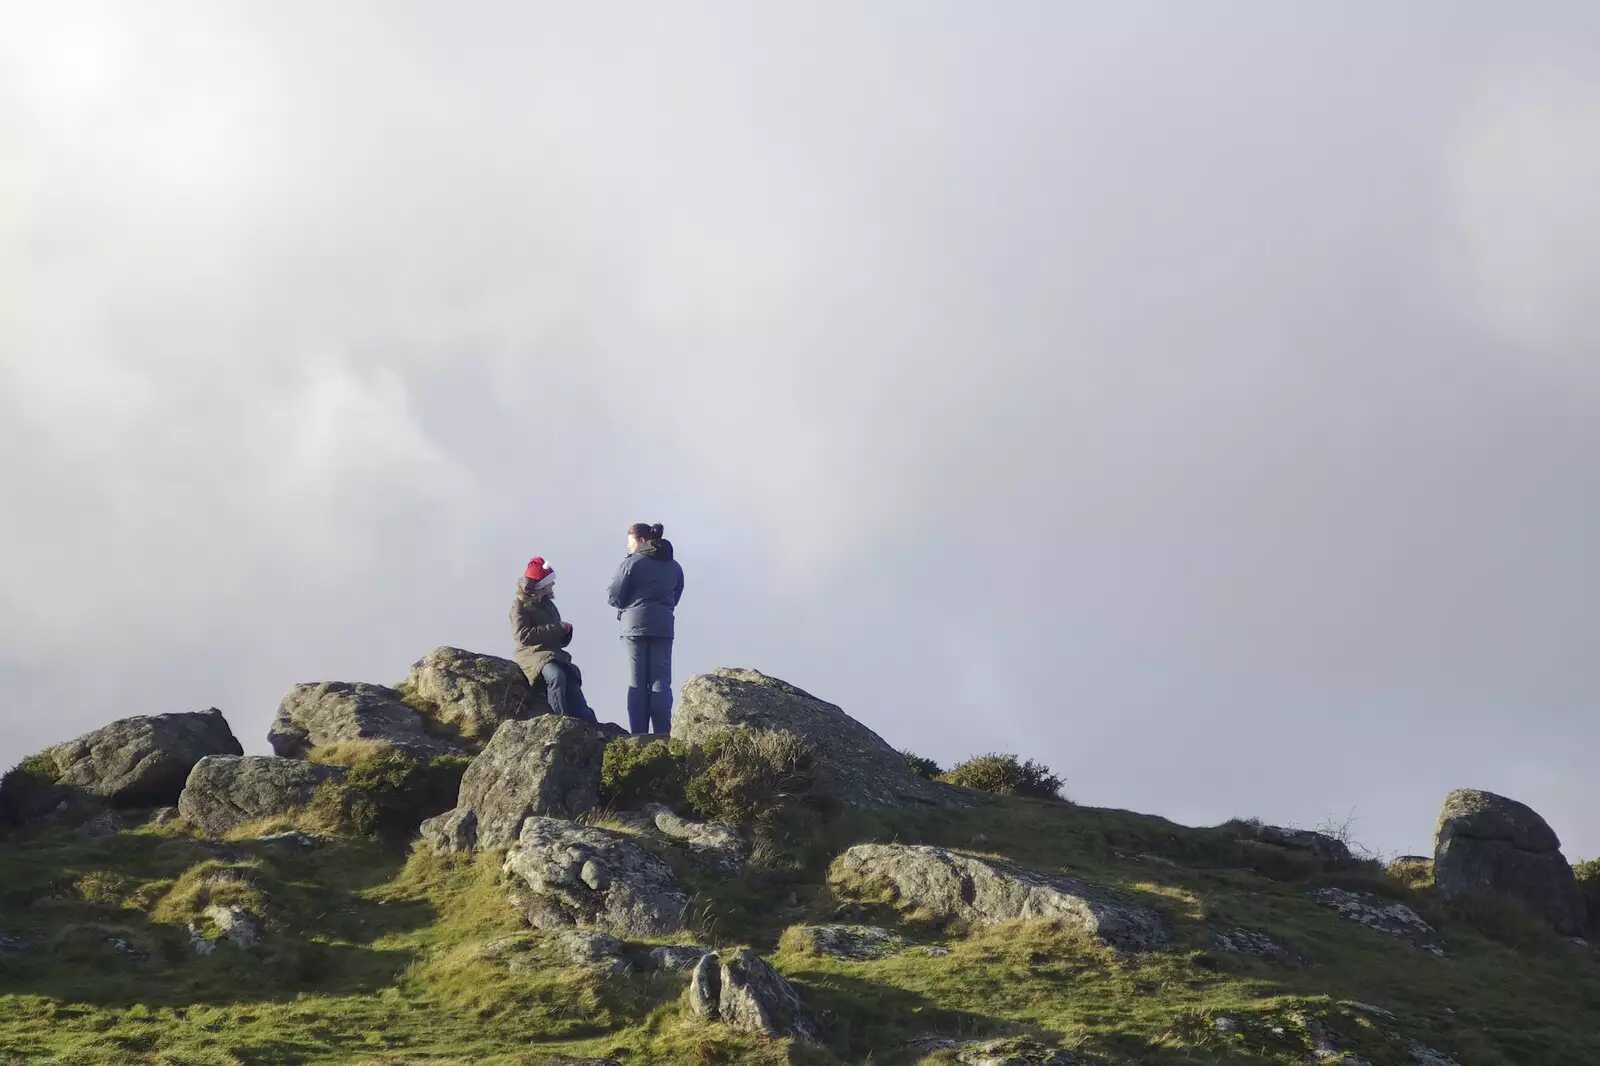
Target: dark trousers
x: 563, y: 687
x: 649, y: 684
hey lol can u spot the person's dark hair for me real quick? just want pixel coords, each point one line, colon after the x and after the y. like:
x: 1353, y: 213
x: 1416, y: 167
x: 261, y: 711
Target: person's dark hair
x: 646, y: 531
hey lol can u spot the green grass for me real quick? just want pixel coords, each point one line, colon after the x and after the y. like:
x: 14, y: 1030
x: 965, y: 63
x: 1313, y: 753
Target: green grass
x: 374, y: 955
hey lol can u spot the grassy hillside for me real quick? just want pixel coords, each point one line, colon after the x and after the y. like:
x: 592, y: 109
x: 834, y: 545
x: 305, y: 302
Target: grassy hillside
x: 381, y: 955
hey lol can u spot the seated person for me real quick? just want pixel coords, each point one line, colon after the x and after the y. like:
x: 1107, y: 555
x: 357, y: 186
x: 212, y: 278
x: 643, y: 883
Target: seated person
x: 542, y: 638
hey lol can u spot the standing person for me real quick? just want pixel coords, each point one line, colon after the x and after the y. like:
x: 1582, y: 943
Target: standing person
x: 647, y: 588
x: 542, y: 638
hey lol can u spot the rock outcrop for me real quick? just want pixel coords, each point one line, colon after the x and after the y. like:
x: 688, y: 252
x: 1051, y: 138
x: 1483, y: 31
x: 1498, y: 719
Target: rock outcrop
x: 940, y: 885
x: 855, y: 764
x: 1488, y: 845
x: 744, y: 992
x: 720, y: 847
x: 548, y: 765
x: 567, y: 874
x: 343, y: 712
x: 226, y: 791
x: 141, y: 761
x: 851, y: 941
x: 471, y: 694
x: 1330, y: 851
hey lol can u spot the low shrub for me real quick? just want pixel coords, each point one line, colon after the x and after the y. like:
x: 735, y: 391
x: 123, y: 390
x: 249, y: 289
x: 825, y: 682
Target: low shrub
x: 28, y: 790
x: 228, y: 884
x: 388, y: 793
x: 1415, y: 872
x: 748, y: 776
x: 1004, y: 775
x: 1588, y: 875
x: 920, y: 766
x: 635, y: 771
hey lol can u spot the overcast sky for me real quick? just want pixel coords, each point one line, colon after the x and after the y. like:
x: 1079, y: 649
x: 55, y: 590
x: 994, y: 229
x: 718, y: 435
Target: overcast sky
x: 1203, y: 399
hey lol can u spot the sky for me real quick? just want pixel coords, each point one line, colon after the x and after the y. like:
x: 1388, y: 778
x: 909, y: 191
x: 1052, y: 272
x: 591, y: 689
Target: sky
x: 1201, y: 399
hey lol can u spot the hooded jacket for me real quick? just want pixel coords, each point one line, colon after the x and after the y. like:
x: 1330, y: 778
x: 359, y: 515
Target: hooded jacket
x: 537, y: 629
x: 648, y: 585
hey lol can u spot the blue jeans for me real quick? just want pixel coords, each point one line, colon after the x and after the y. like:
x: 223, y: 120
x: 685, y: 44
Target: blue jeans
x: 563, y: 687
x: 649, y: 684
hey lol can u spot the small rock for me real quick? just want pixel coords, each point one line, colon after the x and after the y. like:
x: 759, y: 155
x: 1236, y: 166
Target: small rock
x: 1426, y: 1056
x: 1325, y: 1044
x: 1368, y: 1008
x: 125, y: 947
x: 302, y: 841
x: 235, y: 924
x: 675, y: 958
x: 852, y: 941
x: 745, y: 993
x: 726, y: 849
x: 1225, y: 1025
x: 587, y: 947
x: 1383, y: 916
x: 1016, y: 1052
x: 164, y: 816
x: 924, y: 1044
x: 942, y: 885
x: 10, y: 945
x: 1248, y: 942
x: 930, y: 951
x: 506, y: 945
x: 104, y: 824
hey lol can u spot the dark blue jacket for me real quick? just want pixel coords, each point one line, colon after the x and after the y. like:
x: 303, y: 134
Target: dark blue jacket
x: 647, y: 587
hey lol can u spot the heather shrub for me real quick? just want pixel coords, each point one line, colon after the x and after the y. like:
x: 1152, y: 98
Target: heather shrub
x: 1004, y: 775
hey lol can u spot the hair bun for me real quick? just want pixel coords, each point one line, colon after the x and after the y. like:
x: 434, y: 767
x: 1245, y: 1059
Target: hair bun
x: 657, y: 531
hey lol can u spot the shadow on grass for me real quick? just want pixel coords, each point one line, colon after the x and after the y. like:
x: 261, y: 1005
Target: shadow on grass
x: 84, y: 908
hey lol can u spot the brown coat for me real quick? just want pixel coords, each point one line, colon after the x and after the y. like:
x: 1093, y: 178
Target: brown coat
x: 536, y: 625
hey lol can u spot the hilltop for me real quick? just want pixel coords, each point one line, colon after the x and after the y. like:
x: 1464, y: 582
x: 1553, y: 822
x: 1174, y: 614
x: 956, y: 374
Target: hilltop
x: 438, y: 872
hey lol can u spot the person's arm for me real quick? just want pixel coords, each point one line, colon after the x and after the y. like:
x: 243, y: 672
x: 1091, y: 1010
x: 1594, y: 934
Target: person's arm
x: 617, y: 595
x: 532, y: 633
x: 677, y: 591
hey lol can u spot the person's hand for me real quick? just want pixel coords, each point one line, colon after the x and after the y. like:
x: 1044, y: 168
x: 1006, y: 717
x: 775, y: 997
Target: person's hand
x: 568, y: 627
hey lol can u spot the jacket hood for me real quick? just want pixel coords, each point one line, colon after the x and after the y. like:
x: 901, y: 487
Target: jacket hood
x: 659, y: 549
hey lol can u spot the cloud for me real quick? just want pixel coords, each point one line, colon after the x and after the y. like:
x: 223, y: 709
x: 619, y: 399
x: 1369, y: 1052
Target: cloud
x: 1182, y: 402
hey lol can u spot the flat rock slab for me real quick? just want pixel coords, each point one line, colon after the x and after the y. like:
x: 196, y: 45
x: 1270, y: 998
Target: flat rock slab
x: 226, y: 791
x: 852, y: 941
x: 544, y: 766
x: 576, y: 875
x: 1383, y: 916
x: 472, y: 694
x: 942, y: 885
x: 677, y: 958
x: 342, y: 712
x: 142, y: 761
x: 1005, y: 1051
x: 744, y: 992
x: 854, y: 763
